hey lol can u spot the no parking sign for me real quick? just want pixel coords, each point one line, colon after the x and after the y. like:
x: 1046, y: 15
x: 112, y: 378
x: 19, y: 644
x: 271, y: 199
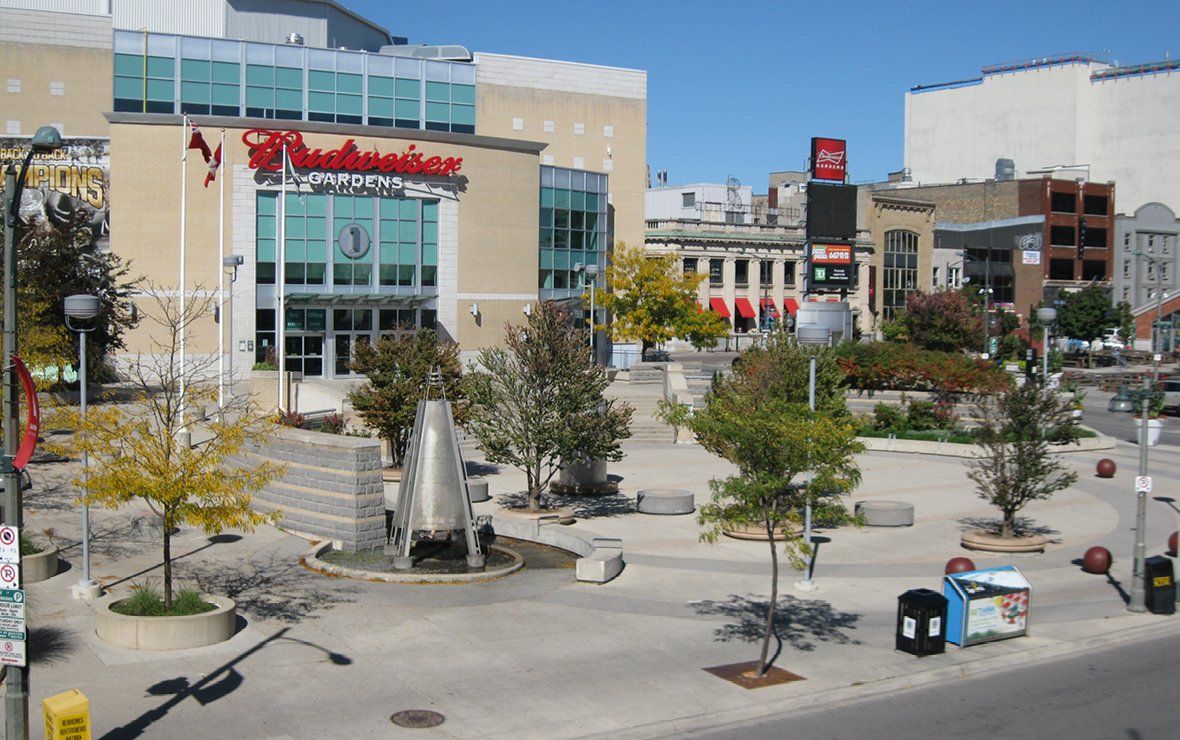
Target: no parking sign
x: 9, y: 575
x: 9, y: 543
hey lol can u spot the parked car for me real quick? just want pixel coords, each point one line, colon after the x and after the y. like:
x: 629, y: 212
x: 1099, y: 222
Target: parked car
x: 1171, y: 389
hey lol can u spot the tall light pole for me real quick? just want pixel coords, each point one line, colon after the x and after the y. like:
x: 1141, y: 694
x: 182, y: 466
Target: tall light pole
x: 821, y: 336
x: 1046, y: 317
x: 47, y: 139
x: 592, y: 273
x: 231, y: 263
x: 83, y: 309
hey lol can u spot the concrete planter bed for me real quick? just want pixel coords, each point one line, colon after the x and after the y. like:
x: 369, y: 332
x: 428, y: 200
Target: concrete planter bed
x: 166, y: 633
x: 985, y: 541
x: 758, y: 532
x: 313, y: 560
x: 39, y: 567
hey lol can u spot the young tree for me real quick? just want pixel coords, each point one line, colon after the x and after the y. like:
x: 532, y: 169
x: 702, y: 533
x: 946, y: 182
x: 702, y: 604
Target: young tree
x: 540, y: 401
x: 1086, y: 315
x: 67, y: 253
x: 653, y: 301
x: 397, y: 368
x: 758, y: 419
x: 138, y: 451
x: 945, y: 321
x: 1017, y: 465
x: 1125, y: 321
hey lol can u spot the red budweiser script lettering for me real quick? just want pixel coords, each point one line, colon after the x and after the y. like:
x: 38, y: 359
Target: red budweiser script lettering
x: 266, y: 153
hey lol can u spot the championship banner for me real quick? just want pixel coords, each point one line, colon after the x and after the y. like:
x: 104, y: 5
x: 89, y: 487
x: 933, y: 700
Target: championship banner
x: 62, y: 184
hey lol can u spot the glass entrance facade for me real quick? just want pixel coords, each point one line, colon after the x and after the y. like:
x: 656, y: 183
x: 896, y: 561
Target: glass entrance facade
x: 355, y: 268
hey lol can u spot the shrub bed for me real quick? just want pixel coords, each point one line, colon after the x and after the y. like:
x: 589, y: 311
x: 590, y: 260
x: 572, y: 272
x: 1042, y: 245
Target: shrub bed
x: 147, y: 602
x: 892, y: 366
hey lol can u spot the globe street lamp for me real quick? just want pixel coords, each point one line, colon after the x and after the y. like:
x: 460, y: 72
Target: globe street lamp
x: 590, y: 271
x: 47, y: 139
x: 1046, y: 317
x: 80, y: 311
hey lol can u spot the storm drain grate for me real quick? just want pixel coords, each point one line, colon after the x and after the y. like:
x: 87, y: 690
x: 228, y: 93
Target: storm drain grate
x: 416, y: 718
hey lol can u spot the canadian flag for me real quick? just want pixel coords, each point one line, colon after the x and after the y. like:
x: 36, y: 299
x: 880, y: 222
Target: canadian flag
x: 196, y: 141
x: 214, y: 164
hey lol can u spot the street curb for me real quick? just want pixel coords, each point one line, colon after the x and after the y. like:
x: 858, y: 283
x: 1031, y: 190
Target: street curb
x: 741, y: 717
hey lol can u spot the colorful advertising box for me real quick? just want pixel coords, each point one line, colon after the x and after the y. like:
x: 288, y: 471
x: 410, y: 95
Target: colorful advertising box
x: 71, y: 184
x: 829, y: 158
x: 986, y: 605
x: 830, y: 266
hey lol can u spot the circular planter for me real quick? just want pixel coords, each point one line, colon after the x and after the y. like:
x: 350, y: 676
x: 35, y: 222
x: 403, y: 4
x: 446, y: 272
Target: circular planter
x: 564, y: 514
x: 1154, y: 428
x: 584, y: 479
x: 313, y: 561
x: 39, y: 567
x: 978, y: 539
x: 758, y: 532
x: 165, y: 633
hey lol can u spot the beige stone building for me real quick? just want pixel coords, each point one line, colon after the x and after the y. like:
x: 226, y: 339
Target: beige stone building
x: 901, y: 231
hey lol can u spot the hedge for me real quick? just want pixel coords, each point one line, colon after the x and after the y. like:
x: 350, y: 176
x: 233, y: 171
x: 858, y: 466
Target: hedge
x: 893, y: 366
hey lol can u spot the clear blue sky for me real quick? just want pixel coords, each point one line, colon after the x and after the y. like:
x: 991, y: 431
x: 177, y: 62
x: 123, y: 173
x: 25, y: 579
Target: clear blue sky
x: 739, y: 88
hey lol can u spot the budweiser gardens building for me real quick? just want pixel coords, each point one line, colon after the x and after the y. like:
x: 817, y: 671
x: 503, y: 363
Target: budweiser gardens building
x: 365, y: 190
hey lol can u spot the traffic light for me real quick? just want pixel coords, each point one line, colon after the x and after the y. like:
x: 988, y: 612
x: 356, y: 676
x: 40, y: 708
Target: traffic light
x: 1081, y: 238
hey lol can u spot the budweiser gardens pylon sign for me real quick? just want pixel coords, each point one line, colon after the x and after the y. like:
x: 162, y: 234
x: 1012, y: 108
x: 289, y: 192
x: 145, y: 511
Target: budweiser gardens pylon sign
x: 353, y: 166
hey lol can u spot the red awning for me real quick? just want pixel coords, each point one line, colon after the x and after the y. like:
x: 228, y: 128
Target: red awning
x: 745, y: 310
x: 792, y: 306
x: 769, y: 307
x: 718, y: 305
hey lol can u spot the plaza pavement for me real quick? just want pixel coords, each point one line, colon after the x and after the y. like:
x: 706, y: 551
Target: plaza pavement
x: 539, y: 655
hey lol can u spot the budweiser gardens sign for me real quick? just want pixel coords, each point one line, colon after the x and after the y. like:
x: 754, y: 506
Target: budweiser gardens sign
x: 347, y: 168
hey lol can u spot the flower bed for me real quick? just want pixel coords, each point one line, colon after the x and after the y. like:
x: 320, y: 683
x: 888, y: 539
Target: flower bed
x: 892, y: 366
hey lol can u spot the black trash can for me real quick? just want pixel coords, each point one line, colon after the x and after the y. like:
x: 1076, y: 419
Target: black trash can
x: 1160, y: 585
x: 921, y: 622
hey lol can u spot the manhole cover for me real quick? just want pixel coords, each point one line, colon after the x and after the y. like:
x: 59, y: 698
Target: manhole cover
x: 416, y: 718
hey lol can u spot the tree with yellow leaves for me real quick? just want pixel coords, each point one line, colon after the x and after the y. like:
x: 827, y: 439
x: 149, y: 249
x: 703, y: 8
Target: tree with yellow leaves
x: 653, y: 301
x: 142, y: 450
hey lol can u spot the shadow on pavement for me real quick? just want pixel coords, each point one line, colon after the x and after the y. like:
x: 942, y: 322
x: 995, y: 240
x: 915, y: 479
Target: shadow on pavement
x: 799, y: 623
x: 1023, y: 526
x: 278, y: 588
x: 216, y: 685
x: 584, y: 507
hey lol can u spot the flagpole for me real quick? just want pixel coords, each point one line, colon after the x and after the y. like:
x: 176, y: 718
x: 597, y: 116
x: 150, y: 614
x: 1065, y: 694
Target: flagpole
x: 280, y: 317
x: 183, y: 193
x: 221, y: 285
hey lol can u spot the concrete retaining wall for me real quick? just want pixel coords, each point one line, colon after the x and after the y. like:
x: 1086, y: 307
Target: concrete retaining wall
x: 332, y: 489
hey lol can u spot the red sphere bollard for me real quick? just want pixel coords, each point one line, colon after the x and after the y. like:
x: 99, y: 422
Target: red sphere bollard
x: 958, y: 565
x: 1106, y: 468
x: 1096, y: 560
x: 1172, y: 543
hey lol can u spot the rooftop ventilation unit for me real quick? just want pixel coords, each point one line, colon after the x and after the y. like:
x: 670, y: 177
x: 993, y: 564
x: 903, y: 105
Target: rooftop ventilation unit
x: 1005, y: 169
x: 447, y: 53
x: 294, y: 39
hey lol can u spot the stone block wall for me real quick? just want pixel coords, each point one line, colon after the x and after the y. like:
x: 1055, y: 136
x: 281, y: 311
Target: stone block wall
x: 332, y: 489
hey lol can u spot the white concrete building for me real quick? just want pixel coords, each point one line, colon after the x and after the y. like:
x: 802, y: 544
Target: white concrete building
x: 705, y: 202
x: 1074, y: 111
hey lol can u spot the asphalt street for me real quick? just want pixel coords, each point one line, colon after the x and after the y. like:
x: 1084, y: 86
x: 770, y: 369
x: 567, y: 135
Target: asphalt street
x: 1127, y: 691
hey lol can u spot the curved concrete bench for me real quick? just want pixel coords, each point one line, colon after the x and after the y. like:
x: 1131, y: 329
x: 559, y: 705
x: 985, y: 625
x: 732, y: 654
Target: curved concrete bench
x: 477, y: 490
x: 666, y: 501
x: 886, y: 513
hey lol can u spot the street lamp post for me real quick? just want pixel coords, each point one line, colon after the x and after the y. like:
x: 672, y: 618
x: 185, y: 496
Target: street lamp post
x: 813, y: 335
x: 47, y: 139
x: 589, y: 271
x: 83, y: 308
x: 1046, y: 317
x: 231, y: 263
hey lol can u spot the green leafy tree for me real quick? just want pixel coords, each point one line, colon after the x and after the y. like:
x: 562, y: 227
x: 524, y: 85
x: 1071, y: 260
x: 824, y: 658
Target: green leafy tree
x: 758, y: 419
x: 540, y: 400
x: 1125, y: 320
x: 653, y: 301
x: 945, y: 321
x: 138, y: 452
x: 397, y: 368
x: 56, y: 261
x: 1086, y: 314
x: 1018, y: 465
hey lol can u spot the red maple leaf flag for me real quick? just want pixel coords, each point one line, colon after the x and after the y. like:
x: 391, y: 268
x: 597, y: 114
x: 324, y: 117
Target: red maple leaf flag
x: 196, y: 141
x: 214, y: 164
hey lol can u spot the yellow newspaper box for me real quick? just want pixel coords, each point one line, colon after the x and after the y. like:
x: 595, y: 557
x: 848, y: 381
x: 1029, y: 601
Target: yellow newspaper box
x: 67, y: 716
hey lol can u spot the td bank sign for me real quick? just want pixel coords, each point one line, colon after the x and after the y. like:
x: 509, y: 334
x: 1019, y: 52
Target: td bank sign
x: 347, y: 168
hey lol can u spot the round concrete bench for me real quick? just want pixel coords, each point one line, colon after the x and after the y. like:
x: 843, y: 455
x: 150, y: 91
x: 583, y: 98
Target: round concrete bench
x: 666, y: 501
x: 477, y: 490
x: 886, y: 513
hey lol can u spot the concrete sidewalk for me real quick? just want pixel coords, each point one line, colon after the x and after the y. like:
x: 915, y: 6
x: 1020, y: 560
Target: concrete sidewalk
x: 539, y: 655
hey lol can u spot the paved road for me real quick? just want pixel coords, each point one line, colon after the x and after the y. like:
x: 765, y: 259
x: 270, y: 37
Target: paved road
x: 1119, y: 424
x: 1127, y: 691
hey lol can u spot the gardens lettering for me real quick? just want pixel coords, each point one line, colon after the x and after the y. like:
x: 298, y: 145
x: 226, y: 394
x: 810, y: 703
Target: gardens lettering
x: 266, y: 153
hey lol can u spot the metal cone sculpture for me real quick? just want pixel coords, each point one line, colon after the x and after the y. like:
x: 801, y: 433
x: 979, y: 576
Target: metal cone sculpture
x: 433, y: 501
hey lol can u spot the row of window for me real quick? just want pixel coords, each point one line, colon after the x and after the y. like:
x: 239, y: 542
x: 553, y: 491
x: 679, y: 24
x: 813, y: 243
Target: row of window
x: 1092, y: 205
x: 395, y: 239
x: 573, y: 221
x: 197, y: 76
x: 306, y: 330
x: 741, y: 271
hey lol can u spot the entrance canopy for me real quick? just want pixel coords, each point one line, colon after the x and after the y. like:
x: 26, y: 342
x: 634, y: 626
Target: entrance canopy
x: 357, y: 300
